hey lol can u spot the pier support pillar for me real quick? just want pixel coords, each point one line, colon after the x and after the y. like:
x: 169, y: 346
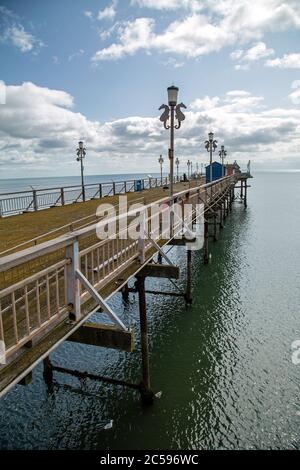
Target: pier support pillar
x: 48, y: 373
x: 245, y: 196
x: 145, y: 389
x: 125, y: 293
x: 220, y: 217
x: 205, y: 247
x: 215, y: 228
x: 227, y: 205
x: 159, y: 258
x: 188, y: 292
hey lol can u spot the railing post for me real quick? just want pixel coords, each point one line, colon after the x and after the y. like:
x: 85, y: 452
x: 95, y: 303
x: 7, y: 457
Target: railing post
x: 72, y: 283
x: 62, y: 196
x: 35, y: 200
x: 100, y: 191
x: 114, y: 188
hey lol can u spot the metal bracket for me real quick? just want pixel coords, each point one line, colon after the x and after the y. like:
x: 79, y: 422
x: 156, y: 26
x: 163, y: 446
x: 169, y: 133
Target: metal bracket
x: 163, y: 254
x: 97, y: 297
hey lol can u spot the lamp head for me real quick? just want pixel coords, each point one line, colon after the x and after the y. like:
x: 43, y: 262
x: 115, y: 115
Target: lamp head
x: 172, y: 95
x: 80, y: 144
x: 211, y: 136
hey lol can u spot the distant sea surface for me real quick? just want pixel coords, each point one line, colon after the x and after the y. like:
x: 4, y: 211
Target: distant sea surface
x: 26, y: 184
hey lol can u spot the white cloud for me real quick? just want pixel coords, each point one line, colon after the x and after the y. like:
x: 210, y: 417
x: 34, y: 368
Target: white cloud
x: 75, y: 55
x: 109, y: 12
x: 255, y: 53
x: 133, y: 36
x: 288, y: 61
x: 168, y: 4
x: 201, y: 104
x: 13, y: 32
x: 219, y: 24
x: 173, y: 63
x: 88, y: 14
x: 39, y: 128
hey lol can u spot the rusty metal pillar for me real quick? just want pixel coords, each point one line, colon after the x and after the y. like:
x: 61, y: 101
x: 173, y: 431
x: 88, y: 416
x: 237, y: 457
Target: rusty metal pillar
x: 125, y: 292
x: 205, y: 247
x: 145, y: 389
x: 245, y: 196
x: 221, y: 217
x: 48, y: 373
x: 215, y: 227
x: 231, y: 199
x: 188, y: 292
x: 223, y: 212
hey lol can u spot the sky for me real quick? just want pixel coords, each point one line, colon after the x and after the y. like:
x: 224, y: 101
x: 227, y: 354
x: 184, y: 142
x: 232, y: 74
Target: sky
x: 98, y: 70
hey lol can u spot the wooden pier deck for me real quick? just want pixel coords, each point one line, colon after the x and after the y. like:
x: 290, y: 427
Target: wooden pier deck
x: 49, y: 290
x: 17, y: 229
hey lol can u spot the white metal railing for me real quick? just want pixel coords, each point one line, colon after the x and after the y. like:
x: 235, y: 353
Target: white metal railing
x: 36, y: 199
x: 29, y: 307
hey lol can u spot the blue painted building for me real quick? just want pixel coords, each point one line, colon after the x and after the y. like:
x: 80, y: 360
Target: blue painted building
x: 216, y: 171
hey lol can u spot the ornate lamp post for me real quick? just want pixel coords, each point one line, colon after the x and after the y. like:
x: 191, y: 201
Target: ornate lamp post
x: 81, y: 152
x: 170, y: 113
x: 161, y: 161
x: 189, y: 163
x: 210, y: 146
x: 222, y: 155
x: 177, y: 165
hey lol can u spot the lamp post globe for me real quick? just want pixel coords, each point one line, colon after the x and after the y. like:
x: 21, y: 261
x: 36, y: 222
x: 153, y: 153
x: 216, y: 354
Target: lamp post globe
x: 81, y: 152
x: 161, y: 161
x: 172, y: 117
x: 177, y: 166
x: 210, y: 145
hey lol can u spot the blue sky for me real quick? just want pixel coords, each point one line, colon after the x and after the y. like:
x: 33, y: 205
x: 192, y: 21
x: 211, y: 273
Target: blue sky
x: 98, y: 70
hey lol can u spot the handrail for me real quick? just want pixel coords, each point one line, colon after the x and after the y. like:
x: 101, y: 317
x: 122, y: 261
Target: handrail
x: 14, y: 259
x: 35, y: 199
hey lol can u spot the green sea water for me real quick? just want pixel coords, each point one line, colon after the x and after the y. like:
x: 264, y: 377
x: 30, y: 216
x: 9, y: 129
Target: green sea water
x: 223, y: 365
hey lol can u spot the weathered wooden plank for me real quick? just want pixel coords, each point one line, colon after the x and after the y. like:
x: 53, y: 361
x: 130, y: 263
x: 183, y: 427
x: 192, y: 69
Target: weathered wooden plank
x: 180, y: 241
x: 107, y: 336
x: 160, y: 270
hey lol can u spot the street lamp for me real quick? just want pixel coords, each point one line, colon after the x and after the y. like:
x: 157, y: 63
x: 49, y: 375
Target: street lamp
x: 161, y: 161
x: 171, y: 112
x: 177, y: 165
x: 189, y: 163
x: 222, y: 155
x: 81, y: 152
x: 210, y: 146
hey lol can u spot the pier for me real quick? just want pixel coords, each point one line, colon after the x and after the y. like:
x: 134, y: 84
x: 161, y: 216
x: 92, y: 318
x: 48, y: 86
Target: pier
x: 52, y: 284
